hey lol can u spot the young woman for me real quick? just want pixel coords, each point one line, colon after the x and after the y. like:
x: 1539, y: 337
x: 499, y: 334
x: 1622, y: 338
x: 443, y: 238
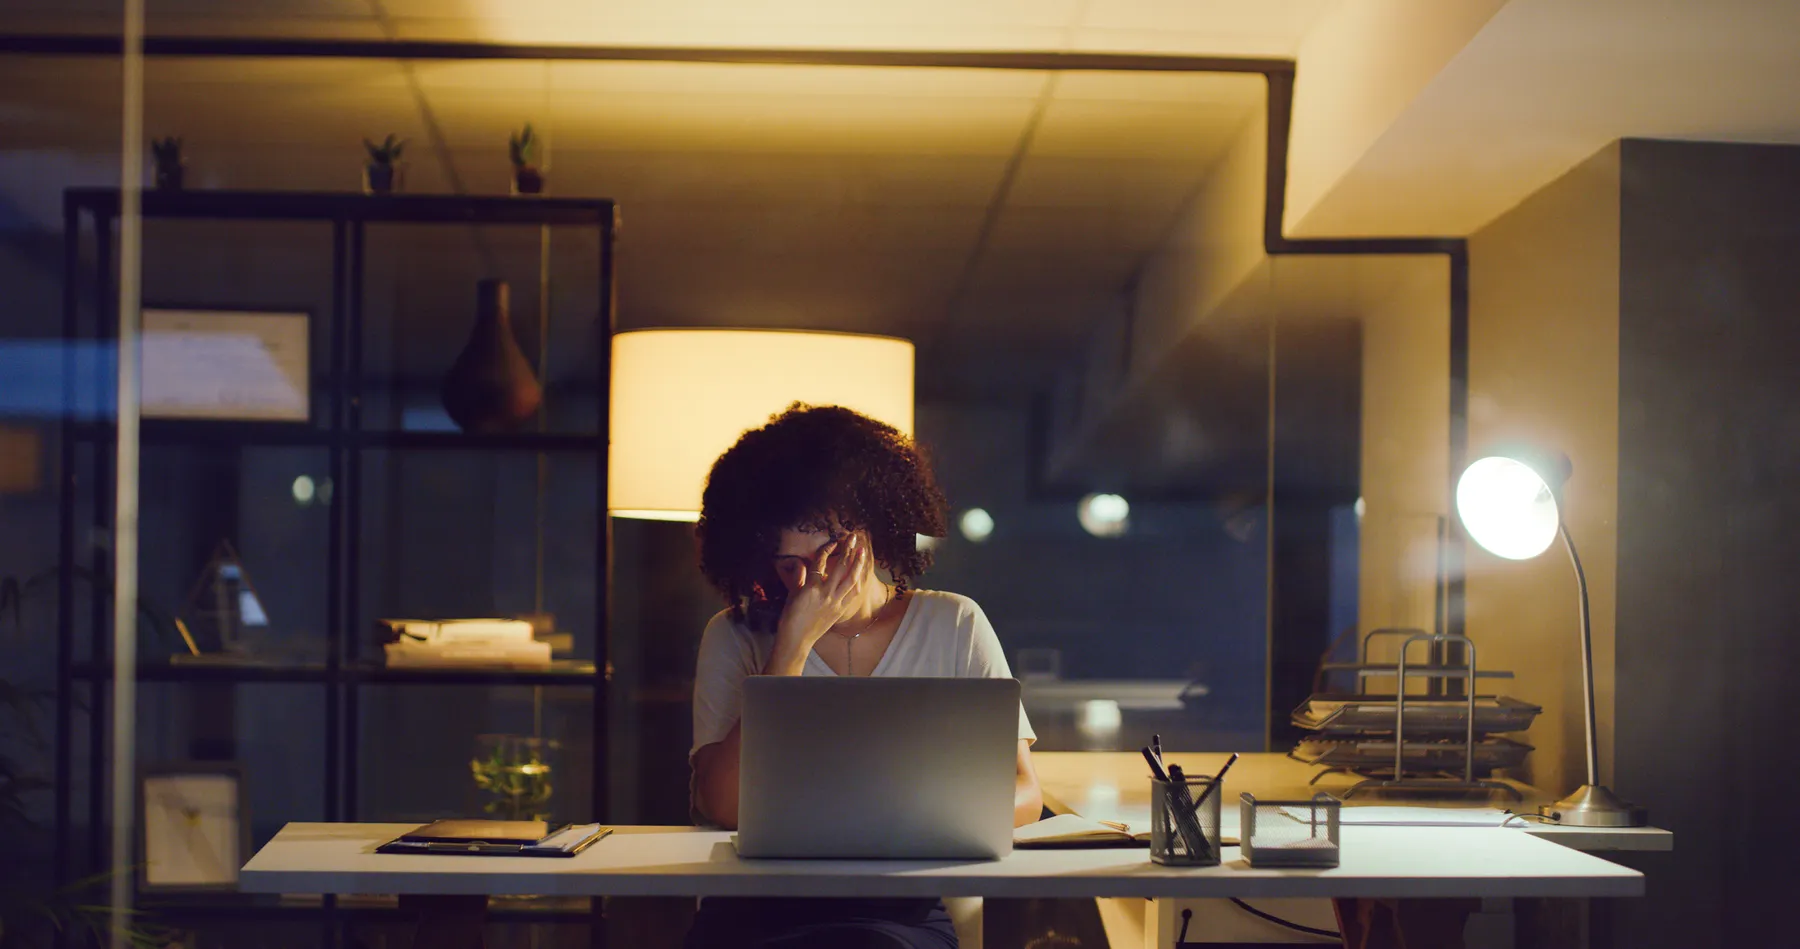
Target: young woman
x: 809, y: 529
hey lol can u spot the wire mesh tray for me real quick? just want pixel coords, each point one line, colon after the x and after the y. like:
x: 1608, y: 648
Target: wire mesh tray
x: 1424, y: 757
x: 1341, y: 713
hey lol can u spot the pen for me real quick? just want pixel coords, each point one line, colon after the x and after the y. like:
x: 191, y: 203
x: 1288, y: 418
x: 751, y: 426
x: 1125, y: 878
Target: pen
x: 1156, y: 746
x: 1186, y: 814
x: 1182, y: 827
x: 1217, y: 780
x: 1156, y: 767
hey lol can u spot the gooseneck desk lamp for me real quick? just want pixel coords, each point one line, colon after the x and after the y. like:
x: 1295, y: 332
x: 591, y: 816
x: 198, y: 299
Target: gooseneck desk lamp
x: 1509, y: 505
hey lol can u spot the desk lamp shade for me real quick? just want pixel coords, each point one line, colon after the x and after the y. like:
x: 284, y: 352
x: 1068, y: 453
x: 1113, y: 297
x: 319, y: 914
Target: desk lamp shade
x: 680, y: 397
x: 1508, y: 506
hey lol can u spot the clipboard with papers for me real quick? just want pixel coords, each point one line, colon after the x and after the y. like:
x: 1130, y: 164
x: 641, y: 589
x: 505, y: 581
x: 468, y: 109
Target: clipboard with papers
x: 491, y: 838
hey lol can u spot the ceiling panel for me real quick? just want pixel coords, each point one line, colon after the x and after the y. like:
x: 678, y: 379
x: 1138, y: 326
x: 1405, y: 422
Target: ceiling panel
x: 1243, y: 90
x: 860, y: 82
x: 1050, y: 316
x: 934, y: 24
x: 1066, y: 269
x: 822, y: 228
x: 1201, y: 27
x: 370, y: 75
x: 1103, y: 229
x: 726, y: 180
x: 1178, y: 131
x: 1094, y: 182
x: 898, y: 294
x: 1286, y: 19
x: 792, y: 124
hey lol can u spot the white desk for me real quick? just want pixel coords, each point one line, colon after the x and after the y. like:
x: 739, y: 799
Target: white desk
x: 1377, y: 862
x: 1114, y: 786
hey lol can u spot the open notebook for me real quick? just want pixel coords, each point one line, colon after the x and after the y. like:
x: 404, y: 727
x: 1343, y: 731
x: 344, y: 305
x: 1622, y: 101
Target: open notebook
x: 1073, y: 830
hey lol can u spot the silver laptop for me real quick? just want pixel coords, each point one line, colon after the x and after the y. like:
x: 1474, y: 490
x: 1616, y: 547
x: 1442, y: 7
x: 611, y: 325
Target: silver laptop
x: 877, y: 767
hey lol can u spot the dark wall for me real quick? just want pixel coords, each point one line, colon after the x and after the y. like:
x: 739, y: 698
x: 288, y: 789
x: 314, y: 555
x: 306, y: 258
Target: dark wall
x: 1181, y: 595
x: 29, y: 361
x: 1709, y: 534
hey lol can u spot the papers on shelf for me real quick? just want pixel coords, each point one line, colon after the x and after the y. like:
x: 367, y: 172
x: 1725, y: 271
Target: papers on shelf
x: 455, y: 630
x: 529, y: 654
x: 462, y: 643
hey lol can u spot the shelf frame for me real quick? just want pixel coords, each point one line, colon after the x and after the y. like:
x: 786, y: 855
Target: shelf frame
x: 89, y: 317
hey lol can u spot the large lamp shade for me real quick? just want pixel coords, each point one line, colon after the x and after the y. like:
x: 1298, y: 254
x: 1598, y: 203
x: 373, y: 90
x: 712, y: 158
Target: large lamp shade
x: 680, y: 397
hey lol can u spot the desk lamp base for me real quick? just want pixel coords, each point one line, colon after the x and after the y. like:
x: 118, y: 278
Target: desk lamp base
x: 1595, y: 806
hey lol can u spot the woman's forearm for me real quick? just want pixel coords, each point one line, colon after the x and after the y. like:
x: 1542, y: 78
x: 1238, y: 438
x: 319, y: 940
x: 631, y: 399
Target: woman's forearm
x: 716, y: 780
x: 1028, y: 801
x: 716, y: 765
x: 1028, y: 798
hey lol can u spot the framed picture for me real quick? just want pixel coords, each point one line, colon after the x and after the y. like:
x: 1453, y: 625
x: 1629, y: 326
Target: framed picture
x: 238, y: 365
x: 195, y: 830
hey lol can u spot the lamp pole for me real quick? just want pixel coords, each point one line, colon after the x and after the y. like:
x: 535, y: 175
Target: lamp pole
x: 1587, y: 658
x: 1592, y: 804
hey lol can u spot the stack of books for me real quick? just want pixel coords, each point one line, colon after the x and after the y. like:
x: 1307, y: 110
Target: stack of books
x: 462, y: 643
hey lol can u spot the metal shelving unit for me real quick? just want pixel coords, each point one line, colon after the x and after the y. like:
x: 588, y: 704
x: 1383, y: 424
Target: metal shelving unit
x: 341, y: 432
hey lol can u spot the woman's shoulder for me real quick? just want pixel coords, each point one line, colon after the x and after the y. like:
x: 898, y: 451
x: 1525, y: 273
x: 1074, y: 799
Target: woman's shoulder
x: 938, y: 607
x: 723, y: 630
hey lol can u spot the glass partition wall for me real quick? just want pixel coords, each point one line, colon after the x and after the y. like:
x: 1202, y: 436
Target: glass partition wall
x: 1169, y: 455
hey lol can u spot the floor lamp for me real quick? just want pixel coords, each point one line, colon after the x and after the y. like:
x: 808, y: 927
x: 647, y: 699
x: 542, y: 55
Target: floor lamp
x: 680, y: 397
x: 1509, y: 504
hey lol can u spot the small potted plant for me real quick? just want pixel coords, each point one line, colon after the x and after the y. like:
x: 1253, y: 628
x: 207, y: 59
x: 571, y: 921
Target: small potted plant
x: 383, y: 172
x: 523, y: 146
x: 170, y: 166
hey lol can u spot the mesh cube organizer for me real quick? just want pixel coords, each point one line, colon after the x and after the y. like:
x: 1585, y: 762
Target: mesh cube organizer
x: 1289, y: 833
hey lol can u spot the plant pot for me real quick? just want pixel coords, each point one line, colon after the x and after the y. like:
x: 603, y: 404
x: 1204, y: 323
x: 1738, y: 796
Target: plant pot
x: 491, y: 388
x: 514, y: 775
x: 381, y: 178
x: 170, y: 177
x: 527, y: 179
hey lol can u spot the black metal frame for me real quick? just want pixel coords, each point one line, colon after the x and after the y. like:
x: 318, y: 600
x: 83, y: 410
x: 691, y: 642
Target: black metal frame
x: 343, y: 435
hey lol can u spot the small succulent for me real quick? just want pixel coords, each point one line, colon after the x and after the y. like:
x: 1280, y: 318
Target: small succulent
x: 387, y: 152
x: 523, y: 146
x: 166, y: 151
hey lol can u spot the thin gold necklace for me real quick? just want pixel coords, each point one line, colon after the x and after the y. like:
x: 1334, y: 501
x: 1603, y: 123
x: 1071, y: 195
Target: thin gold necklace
x: 850, y: 652
x: 850, y: 641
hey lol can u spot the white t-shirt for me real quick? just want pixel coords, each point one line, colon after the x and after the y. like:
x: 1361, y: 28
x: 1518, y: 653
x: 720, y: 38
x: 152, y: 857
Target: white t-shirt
x: 942, y: 635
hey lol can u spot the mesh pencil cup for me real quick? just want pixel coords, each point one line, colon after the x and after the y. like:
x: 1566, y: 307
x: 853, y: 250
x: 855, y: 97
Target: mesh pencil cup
x: 1180, y: 834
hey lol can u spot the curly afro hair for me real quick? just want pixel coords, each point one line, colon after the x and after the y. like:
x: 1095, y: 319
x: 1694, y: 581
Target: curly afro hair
x: 813, y: 468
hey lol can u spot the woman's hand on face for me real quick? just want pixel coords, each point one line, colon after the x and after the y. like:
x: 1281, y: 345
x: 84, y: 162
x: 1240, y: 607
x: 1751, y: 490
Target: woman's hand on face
x: 826, y: 595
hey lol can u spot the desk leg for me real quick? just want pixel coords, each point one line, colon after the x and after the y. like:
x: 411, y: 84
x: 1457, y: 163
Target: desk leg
x: 1404, y: 924
x: 447, y: 922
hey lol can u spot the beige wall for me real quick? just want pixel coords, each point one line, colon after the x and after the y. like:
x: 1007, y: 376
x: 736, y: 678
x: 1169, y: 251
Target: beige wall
x: 1544, y: 369
x: 1358, y: 69
x: 1405, y: 444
